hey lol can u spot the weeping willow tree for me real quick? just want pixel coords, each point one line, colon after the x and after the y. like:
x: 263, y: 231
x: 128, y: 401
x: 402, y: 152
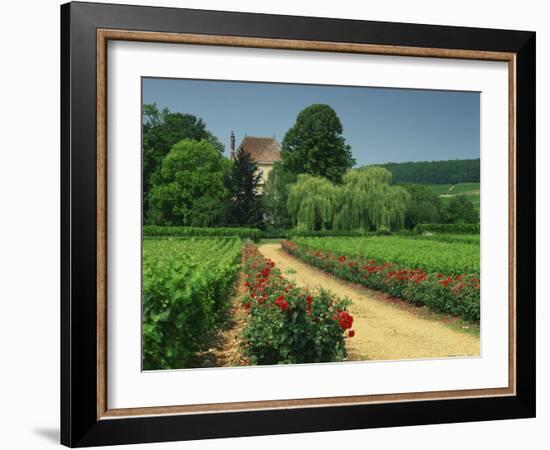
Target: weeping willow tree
x: 311, y: 203
x: 365, y: 200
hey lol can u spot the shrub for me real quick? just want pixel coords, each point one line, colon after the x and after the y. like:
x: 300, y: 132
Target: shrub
x: 290, y: 234
x: 274, y: 233
x: 448, y: 228
x: 287, y: 324
x: 457, y: 295
x: 244, y: 233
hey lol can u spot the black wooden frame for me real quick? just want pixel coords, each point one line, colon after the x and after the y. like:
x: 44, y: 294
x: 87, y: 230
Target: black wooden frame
x: 79, y: 423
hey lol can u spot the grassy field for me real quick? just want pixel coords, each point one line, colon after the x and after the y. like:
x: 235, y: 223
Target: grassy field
x: 445, y: 191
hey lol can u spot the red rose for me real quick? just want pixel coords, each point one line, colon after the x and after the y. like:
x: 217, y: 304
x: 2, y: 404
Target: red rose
x: 351, y: 333
x: 309, y: 299
x: 281, y: 302
x: 345, y: 320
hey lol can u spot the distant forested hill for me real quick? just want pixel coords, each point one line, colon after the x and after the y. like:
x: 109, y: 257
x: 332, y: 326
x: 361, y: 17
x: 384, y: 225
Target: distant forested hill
x: 435, y: 172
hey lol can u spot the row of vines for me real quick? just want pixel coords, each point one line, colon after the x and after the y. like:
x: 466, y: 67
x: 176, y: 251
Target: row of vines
x: 443, y: 276
x: 451, y: 256
x: 186, y: 287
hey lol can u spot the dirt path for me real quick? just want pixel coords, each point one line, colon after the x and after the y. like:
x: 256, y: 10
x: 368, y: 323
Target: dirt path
x: 225, y: 347
x: 383, y: 330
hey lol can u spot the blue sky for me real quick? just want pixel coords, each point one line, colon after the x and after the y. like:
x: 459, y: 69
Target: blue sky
x: 381, y: 125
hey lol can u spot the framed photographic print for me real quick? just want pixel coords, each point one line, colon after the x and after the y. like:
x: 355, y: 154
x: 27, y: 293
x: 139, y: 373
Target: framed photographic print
x: 276, y: 224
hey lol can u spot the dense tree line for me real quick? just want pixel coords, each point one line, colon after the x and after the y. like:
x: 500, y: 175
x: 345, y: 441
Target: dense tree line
x: 426, y: 207
x: 187, y: 181
x: 162, y: 129
x: 435, y: 172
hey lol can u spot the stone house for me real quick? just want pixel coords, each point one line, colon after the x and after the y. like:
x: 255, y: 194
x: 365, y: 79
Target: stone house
x: 264, y: 151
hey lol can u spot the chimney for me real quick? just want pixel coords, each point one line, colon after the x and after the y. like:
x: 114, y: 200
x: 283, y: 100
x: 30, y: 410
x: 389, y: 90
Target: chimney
x: 232, y: 145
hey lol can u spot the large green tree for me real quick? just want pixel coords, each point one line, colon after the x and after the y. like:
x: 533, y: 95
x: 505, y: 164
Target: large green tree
x: 243, y: 184
x: 315, y: 145
x: 459, y: 210
x: 189, y: 190
x: 367, y: 201
x: 364, y: 200
x: 312, y: 203
x: 276, y: 196
x: 423, y: 206
x: 161, y: 130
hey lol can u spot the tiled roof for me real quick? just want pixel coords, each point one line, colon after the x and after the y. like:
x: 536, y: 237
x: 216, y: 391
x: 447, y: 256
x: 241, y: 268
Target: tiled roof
x: 261, y: 149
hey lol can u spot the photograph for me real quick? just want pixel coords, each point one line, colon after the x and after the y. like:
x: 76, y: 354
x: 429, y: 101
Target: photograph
x: 299, y: 223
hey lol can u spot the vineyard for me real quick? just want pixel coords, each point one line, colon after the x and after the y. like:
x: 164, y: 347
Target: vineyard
x: 441, y: 254
x: 299, y: 251
x: 186, y: 287
x: 443, y: 275
x: 191, y: 290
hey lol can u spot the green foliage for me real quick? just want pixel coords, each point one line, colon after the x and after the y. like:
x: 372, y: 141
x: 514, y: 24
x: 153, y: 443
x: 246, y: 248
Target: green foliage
x: 291, y: 234
x: 243, y: 184
x: 163, y: 129
x: 429, y: 255
x: 311, y: 202
x: 367, y: 201
x: 448, y: 228
x: 186, y: 286
x: 244, y: 233
x: 459, y: 210
x: 435, y: 172
x: 456, y: 294
x: 447, y: 191
x: 315, y: 144
x: 287, y: 324
x: 276, y: 196
x: 189, y: 189
x: 423, y: 206
x: 458, y: 238
x: 426, y: 207
x: 364, y: 201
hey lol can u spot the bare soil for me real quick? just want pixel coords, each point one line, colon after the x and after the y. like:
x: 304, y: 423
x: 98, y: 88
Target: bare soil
x: 226, y: 345
x: 385, y: 328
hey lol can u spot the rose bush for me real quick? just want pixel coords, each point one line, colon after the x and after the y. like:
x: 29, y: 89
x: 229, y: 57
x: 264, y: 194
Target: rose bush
x: 287, y: 324
x: 457, y: 295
